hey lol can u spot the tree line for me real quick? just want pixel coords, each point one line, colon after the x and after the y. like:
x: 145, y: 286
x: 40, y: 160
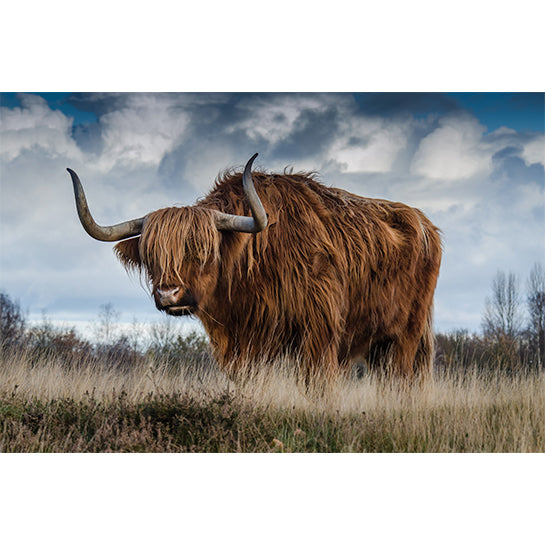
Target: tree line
x: 141, y: 343
x: 512, y: 336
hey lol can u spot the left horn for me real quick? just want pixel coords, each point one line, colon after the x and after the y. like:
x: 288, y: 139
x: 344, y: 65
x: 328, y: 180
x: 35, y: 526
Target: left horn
x: 109, y: 233
x: 244, y: 224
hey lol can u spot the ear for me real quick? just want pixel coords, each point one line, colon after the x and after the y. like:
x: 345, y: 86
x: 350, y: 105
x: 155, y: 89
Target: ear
x: 128, y: 253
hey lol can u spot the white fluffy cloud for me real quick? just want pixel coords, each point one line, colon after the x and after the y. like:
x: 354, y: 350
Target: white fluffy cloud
x: 454, y: 150
x: 460, y: 148
x: 534, y: 151
x: 369, y: 144
x: 142, y: 132
x: 34, y: 126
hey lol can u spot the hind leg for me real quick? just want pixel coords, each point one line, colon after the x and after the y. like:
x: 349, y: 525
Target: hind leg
x: 423, y: 362
x: 395, y: 358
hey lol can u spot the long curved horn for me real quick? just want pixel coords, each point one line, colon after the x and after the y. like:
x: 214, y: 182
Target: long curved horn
x: 245, y: 224
x: 109, y: 233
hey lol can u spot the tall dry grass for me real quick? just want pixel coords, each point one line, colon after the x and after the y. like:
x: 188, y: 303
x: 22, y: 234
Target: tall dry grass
x: 151, y: 406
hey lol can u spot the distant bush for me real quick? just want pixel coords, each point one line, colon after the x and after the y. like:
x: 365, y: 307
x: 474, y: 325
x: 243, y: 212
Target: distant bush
x: 187, y: 351
x: 60, y: 344
x: 12, y: 323
x: 463, y: 350
x: 45, y: 341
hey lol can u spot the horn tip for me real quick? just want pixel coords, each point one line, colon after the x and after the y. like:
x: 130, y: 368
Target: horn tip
x: 250, y: 162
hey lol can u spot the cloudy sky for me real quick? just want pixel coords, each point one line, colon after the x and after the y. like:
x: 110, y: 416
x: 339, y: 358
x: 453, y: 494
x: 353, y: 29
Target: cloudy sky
x: 474, y: 163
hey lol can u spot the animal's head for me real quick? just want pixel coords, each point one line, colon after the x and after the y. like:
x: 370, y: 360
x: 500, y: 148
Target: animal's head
x: 176, y: 249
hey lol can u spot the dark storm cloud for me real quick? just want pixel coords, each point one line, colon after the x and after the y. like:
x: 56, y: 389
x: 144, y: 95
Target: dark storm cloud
x: 236, y: 108
x: 314, y: 132
x: 226, y: 119
x: 233, y: 122
x: 104, y: 103
x: 396, y: 104
x: 98, y: 103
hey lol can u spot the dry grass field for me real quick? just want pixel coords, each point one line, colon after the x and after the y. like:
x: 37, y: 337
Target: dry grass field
x: 48, y: 406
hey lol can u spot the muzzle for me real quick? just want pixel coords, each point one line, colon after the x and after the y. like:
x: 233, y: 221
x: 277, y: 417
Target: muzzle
x: 176, y: 301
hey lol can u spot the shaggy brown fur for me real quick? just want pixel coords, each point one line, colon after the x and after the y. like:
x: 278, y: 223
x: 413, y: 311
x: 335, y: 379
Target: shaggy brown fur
x: 333, y: 277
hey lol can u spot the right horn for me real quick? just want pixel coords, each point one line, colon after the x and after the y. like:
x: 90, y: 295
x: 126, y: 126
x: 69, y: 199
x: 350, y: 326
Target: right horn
x: 245, y: 224
x: 109, y: 233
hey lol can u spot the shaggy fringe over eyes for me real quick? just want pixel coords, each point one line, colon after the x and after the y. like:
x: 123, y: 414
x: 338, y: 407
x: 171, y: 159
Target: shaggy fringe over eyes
x: 174, y: 239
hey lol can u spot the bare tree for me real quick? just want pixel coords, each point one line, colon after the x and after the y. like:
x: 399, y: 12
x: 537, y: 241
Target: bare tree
x: 536, y: 310
x: 163, y: 334
x: 136, y: 335
x: 503, y: 317
x: 107, y: 328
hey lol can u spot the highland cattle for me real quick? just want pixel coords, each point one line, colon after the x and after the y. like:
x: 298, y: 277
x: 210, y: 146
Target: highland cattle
x: 280, y: 265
